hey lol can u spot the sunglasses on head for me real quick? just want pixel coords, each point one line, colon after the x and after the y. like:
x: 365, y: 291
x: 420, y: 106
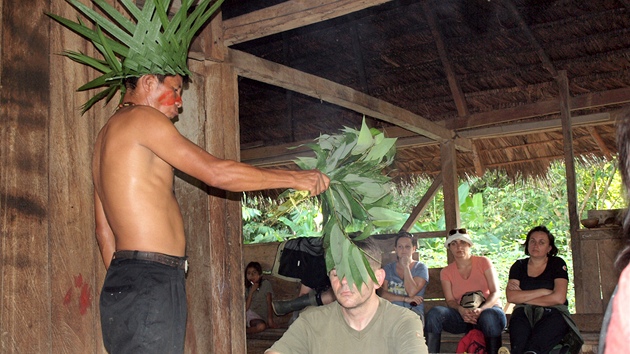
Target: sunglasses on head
x: 455, y: 231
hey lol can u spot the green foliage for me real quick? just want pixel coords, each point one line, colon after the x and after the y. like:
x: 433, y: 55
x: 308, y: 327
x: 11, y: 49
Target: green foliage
x: 358, y: 197
x: 261, y: 223
x: 499, y: 212
x: 509, y: 209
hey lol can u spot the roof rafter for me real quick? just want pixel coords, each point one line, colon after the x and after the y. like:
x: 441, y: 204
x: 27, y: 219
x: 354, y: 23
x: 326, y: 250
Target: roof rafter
x: 456, y: 89
x: 286, y: 153
x: 547, y: 64
x: 258, y: 69
x: 288, y: 15
x: 543, y: 108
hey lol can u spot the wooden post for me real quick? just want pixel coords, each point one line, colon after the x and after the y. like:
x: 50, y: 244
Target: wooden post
x: 25, y: 288
x: 226, y: 239
x: 216, y: 311
x: 450, y: 186
x: 574, y: 219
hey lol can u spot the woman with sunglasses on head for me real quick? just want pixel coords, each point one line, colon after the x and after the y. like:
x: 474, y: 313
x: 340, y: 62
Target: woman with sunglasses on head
x: 467, y: 273
x: 538, y: 287
x: 405, y: 279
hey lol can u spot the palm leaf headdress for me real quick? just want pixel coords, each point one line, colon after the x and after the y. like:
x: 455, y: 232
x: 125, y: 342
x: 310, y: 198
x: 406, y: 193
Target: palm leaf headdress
x: 152, y: 44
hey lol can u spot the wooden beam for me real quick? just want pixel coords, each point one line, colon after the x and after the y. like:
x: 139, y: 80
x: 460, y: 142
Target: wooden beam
x: 600, y: 142
x: 456, y: 90
x: 522, y: 161
x: 255, y: 68
x: 422, y: 204
x: 536, y: 127
x: 287, y: 16
x: 543, y: 108
x: 547, y: 64
x: 479, y: 169
x: 450, y: 181
x: 569, y: 161
x: 418, y: 235
x: 284, y: 154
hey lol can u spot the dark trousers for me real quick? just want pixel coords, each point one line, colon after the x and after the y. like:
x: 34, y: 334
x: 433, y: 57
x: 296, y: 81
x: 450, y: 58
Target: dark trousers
x: 143, y: 308
x: 541, y: 338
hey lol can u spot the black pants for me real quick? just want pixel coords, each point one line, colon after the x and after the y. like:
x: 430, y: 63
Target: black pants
x: 143, y: 308
x: 545, y: 334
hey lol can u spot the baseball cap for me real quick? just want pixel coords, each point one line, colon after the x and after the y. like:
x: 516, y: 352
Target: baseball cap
x: 458, y: 234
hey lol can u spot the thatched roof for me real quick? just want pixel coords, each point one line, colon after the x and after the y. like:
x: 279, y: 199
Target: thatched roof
x: 490, y: 72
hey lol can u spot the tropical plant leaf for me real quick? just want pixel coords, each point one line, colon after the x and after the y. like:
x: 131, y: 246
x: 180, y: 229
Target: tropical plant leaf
x: 146, y: 44
x: 354, y: 161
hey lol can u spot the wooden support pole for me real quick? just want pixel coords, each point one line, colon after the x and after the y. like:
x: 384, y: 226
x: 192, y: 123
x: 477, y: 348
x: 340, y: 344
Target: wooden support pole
x: 422, y: 204
x: 450, y: 186
x: 215, y: 287
x: 574, y: 220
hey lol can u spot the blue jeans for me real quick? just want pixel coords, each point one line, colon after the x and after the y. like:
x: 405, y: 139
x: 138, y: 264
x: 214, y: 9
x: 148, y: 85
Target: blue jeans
x: 491, y: 321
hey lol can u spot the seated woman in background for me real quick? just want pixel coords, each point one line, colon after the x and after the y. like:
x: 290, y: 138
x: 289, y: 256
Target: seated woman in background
x: 538, y: 287
x: 258, y: 293
x: 405, y: 279
x: 467, y: 273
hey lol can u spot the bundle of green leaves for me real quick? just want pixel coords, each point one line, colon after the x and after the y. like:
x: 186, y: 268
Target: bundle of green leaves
x: 358, y: 197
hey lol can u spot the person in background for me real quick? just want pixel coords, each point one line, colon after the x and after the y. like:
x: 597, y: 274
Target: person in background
x: 616, y: 325
x: 358, y: 322
x: 303, y: 258
x: 538, y: 286
x: 467, y: 273
x: 405, y: 279
x: 258, y: 295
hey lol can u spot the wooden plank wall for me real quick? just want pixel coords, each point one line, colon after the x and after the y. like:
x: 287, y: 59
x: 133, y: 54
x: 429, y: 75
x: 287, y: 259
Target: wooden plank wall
x: 25, y: 273
x: 76, y: 267
x: 51, y: 271
x: 599, y: 250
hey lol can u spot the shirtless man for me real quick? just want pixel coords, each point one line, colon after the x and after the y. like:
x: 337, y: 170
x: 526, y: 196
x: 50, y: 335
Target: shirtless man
x: 135, y: 209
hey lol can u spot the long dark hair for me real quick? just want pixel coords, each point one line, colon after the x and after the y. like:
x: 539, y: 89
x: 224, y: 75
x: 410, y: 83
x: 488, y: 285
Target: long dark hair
x: 258, y: 268
x: 552, y: 240
x: 623, y: 146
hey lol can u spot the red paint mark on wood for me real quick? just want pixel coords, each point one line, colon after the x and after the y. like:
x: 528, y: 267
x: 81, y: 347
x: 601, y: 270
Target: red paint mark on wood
x: 85, y: 300
x: 78, y: 281
x: 85, y: 297
x: 68, y: 297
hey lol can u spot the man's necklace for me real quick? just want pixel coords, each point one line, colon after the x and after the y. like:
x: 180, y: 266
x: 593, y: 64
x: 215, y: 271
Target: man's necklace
x: 125, y: 104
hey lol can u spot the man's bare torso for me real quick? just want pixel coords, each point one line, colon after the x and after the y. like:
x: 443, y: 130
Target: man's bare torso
x: 135, y: 186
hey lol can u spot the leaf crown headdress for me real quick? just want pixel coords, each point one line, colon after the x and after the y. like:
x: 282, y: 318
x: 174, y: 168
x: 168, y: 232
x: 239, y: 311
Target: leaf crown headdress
x: 152, y: 45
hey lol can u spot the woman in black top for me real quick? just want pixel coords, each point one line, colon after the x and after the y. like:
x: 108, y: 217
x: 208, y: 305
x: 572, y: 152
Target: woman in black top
x: 538, y: 285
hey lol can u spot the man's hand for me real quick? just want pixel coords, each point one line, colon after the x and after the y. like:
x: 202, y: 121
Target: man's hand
x: 313, y: 181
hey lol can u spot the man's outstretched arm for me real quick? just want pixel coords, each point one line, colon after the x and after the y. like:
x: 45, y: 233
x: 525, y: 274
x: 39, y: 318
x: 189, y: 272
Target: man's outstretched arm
x: 161, y: 137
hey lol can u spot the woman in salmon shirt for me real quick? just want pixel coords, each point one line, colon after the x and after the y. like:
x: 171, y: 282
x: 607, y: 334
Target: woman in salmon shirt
x: 467, y: 273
